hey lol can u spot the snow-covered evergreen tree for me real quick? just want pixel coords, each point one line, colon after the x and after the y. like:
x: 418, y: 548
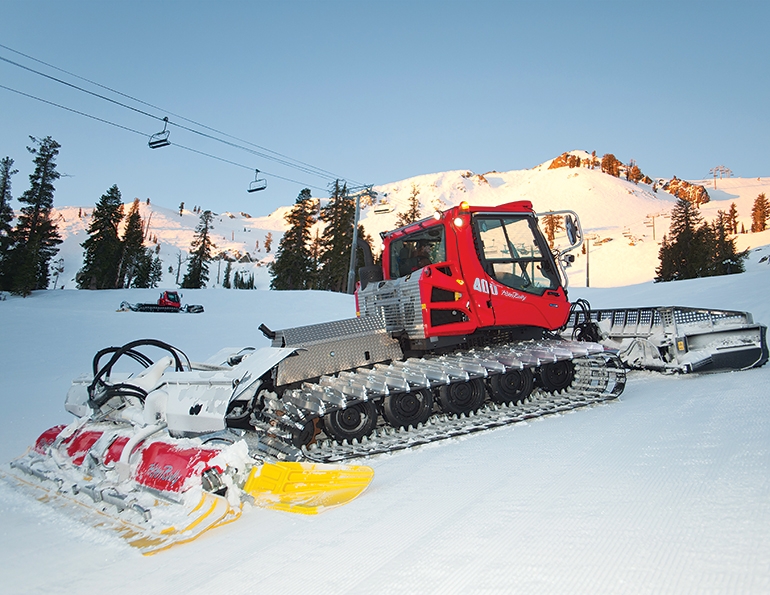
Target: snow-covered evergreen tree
x: 760, y: 213
x: 132, y: 249
x: 200, y: 254
x: 6, y: 214
x: 610, y: 165
x: 731, y: 220
x: 634, y: 173
x: 696, y: 249
x: 103, y: 247
x: 412, y: 212
x: 35, y: 239
x: 228, y: 272
x: 294, y: 266
x: 551, y: 225
x: 337, y: 239
x: 726, y: 260
x: 243, y: 280
x: 6, y: 211
x: 149, y: 270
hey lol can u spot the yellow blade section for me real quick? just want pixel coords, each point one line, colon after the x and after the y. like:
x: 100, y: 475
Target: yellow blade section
x: 170, y: 524
x: 306, y: 488
x: 212, y: 511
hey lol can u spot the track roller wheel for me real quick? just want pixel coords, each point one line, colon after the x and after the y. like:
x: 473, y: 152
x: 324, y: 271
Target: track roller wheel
x: 462, y: 397
x: 351, y: 423
x: 307, y: 435
x: 405, y: 409
x: 512, y: 387
x: 557, y: 376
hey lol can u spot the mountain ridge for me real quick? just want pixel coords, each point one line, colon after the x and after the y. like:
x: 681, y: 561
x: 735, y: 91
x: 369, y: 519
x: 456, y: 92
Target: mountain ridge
x: 623, y: 222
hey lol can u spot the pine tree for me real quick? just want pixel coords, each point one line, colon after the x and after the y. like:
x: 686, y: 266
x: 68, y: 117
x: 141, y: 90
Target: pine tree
x: 412, y: 213
x: 337, y: 239
x: 6, y: 211
x: 760, y: 213
x: 243, y: 280
x: 228, y: 271
x: 610, y: 165
x: 35, y: 238
x: 103, y: 248
x: 731, y: 221
x: 552, y: 224
x: 634, y: 173
x: 6, y: 216
x: 132, y: 247
x: 149, y: 270
x: 666, y: 270
x: 360, y: 253
x: 294, y: 266
x: 687, y: 251
x: 200, y: 254
x: 726, y: 260
x: 57, y: 268
x: 315, y: 254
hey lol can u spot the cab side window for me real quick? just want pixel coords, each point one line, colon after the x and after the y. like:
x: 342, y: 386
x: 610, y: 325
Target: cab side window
x: 417, y: 250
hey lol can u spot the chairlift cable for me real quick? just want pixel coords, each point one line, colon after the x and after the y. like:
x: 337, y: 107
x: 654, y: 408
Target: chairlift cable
x: 53, y: 78
x: 294, y: 163
x: 104, y: 121
x: 74, y: 111
x: 392, y: 200
x: 252, y: 151
x: 267, y: 173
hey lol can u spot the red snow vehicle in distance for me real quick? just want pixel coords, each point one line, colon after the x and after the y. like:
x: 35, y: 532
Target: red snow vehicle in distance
x: 169, y: 301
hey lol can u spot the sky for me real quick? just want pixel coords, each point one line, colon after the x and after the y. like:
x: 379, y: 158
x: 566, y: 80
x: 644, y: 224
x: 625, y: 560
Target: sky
x: 373, y: 92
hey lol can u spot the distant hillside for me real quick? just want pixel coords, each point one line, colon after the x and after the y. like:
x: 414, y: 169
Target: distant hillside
x: 617, y: 216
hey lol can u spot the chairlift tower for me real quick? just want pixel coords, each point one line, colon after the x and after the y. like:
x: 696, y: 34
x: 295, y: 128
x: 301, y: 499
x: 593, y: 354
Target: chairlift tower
x: 366, y: 190
x: 722, y: 171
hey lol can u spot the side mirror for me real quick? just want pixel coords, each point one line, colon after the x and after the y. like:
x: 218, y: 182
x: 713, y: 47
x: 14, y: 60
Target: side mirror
x: 573, y: 235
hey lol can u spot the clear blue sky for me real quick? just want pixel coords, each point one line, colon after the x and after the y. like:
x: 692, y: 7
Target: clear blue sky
x: 376, y: 92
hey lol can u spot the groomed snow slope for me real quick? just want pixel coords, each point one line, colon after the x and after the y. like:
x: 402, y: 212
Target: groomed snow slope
x: 666, y: 490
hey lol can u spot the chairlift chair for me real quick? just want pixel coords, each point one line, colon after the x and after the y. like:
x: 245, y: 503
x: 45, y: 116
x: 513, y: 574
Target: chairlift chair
x: 160, y: 139
x: 383, y: 207
x: 258, y: 183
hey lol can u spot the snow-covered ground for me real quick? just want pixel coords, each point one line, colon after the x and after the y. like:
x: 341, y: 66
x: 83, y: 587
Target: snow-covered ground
x: 666, y: 490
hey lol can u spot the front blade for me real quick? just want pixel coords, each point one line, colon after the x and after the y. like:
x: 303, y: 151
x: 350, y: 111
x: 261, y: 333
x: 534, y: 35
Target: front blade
x: 168, y: 523
x: 306, y: 488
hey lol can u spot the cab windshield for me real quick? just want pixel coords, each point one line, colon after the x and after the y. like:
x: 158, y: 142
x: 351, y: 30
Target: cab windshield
x: 514, y: 252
